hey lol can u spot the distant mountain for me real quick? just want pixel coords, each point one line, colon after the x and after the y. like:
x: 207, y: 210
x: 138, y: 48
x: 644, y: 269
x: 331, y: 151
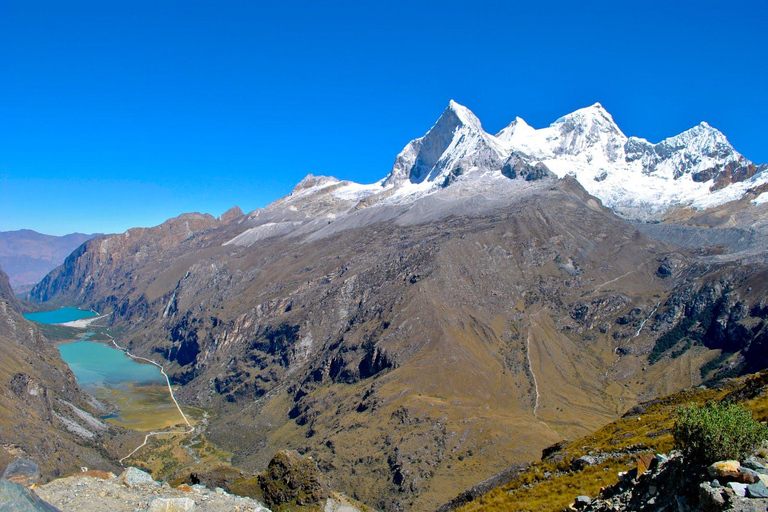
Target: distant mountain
x: 27, y: 256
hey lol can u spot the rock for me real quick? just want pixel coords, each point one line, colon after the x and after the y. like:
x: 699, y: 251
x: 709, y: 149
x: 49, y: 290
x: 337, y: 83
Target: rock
x: 738, y: 488
x: 755, y: 465
x: 749, y: 476
x: 711, y: 497
x: 582, y: 501
x: 724, y: 469
x: 661, y: 458
x: 132, y: 477
x: 644, y: 463
x: 758, y: 490
x: 22, y: 471
x: 582, y: 462
x: 763, y: 478
x: 291, y: 478
x: 171, y: 505
x: 15, y: 497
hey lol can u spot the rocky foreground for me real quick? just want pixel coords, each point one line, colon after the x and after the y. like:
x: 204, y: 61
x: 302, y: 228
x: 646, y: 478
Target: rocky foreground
x: 95, y: 491
x: 292, y: 483
x: 669, y: 483
x: 135, y: 490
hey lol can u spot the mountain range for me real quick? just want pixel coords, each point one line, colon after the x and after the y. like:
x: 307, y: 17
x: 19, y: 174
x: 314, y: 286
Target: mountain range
x: 27, y: 256
x: 489, y: 296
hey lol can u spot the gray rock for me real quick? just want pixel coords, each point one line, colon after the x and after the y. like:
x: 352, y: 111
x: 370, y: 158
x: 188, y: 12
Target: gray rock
x: 758, y: 490
x: 750, y: 472
x: 132, y: 477
x: 17, y: 498
x: 22, y: 471
x: 583, y: 462
x: 710, y: 497
x: 738, y: 488
x: 171, y: 505
x: 755, y: 465
x: 582, y: 501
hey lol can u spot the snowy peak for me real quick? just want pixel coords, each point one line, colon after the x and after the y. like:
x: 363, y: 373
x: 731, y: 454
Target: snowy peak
x: 455, y: 145
x: 590, y: 131
x: 462, y: 115
x: 515, y: 130
x: 697, y: 168
x: 702, y: 137
x: 311, y: 181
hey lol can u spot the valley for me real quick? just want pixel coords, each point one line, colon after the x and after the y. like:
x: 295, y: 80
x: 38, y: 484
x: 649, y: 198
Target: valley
x: 488, y: 298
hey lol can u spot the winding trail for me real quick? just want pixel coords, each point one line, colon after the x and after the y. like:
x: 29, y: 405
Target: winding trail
x: 191, y: 428
x: 620, y: 277
x: 533, y: 374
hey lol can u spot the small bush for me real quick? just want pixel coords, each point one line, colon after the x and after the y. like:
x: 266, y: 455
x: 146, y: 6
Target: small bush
x: 717, y: 431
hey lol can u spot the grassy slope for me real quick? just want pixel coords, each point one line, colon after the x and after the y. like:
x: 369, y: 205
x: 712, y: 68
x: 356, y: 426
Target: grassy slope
x: 551, y: 485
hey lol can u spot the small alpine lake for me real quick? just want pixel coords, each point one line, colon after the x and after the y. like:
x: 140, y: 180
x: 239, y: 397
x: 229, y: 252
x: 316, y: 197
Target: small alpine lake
x: 136, y: 393
x: 60, y: 316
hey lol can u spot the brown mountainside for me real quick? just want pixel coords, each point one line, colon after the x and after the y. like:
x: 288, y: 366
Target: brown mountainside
x: 414, y: 350
x: 44, y: 416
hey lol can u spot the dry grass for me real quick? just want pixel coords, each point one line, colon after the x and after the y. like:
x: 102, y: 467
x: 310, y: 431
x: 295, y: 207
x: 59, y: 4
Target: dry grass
x: 552, y: 486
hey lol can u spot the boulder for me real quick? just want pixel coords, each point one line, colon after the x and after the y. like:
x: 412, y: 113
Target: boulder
x: 758, y: 490
x: 18, y: 498
x: 133, y: 477
x: 582, y: 462
x: 724, y: 469
x: 738, y: 488
x: 22, y: 471
x: 755, y: 465
x: 582, y: 501
x: 171, y: 505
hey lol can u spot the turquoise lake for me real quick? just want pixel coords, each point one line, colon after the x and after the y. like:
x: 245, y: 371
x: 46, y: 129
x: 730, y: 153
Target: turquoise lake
x: 136, y: 394
x: 99, y: 365
x: 59, y: 316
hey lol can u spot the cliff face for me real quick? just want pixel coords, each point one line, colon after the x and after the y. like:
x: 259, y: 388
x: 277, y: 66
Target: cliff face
x: 44, y: 416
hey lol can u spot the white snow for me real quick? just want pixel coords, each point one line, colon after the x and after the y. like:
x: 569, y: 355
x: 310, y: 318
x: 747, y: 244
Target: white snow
x: 250, y: 236
x: 634, y: 177
x: 627, y: 174
x: 761, y: 199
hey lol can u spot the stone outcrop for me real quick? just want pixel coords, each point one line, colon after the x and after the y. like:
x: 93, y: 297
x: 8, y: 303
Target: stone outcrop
x: 135, y: 490
x: 291, y: 478
x: 672, y: 483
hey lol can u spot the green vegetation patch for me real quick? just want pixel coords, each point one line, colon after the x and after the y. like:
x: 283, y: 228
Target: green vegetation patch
x: 717, y: 431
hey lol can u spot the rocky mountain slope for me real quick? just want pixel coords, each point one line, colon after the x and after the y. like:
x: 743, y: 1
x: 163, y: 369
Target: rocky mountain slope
x: 27, y: 256
x: 420, y: 334
x: 44, y: 415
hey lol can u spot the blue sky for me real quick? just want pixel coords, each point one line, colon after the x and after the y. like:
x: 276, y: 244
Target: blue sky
x: 125, y: 113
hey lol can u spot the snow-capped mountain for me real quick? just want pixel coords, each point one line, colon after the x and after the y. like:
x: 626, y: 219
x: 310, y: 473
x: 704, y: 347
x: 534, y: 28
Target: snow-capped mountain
x: 697, y: 168
x: 456, y: 145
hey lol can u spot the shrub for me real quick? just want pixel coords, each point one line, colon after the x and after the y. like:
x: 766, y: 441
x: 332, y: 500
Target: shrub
x: 717, y: 431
